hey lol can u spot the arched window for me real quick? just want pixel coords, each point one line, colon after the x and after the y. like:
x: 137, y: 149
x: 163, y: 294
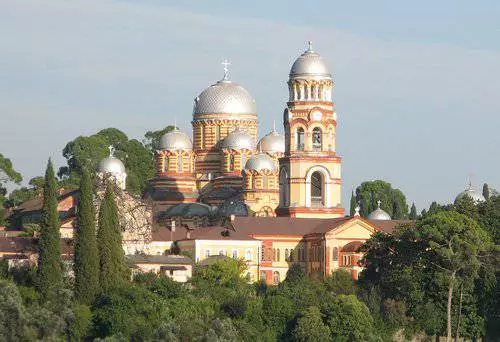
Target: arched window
x: 291, y: 254
x: 179, y: 163
x: 166, y: 164
x: 283, y: 188
x: 276, y: 277
x: 263, y: 275
x: 317, y: 190
x: 243, y: 160
x: 231, y: 162
x: 274, y: 254
x: 235, y: 254
x: 269, y: 254
x: 299, y: 139
x: 248, y: 255
x: 278, y: 254
x: 217, y: 133
x: 265, y: 182
x: 335, y: 254
x: 287, y: 255
x: 316, y: 139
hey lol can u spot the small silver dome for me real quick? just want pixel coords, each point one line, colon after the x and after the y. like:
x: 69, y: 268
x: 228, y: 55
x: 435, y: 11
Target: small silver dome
x: 260, y: 162
x: 379, y: 214
x: 310, y: 64
x: 111, y: 164
x: 273, y: 142
x: 472, y: 193
x: 224, y: 97
x: 175, y: 140
x: 238, y: 140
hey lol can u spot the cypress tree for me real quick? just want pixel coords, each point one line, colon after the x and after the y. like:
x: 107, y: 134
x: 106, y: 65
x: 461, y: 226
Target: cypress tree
x: 413, y: 212
x: 486, y: 191
x: 49, y: 271
x: 354, y: 204
x: 109, y: 236
x: 86, y: 262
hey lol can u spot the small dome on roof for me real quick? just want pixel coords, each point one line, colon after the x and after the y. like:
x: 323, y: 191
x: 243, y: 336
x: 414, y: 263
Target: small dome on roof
x: 175, y: 140
x: 379, y: 214
x: 260, y: 162
x: 238, y: 140
x: 273, y: 142
x: 111, y: 164
x: 472, y: 193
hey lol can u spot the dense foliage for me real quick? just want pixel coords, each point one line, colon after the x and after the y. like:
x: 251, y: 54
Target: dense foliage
x: 393, y: 201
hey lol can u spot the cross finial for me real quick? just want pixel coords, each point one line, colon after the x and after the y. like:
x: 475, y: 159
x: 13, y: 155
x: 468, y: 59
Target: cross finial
x: 226, y: 63
x: 379, y: 202
x: 469, y: 176
x: 111, y: 151
x: 274, y: 125
x: 356, y: 210
x: 310, y: 46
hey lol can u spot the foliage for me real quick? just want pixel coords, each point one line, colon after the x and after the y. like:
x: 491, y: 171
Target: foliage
x: 340, y: 283
x: 112, y: 268
x: 49, y: 249
x: 353, y: 205
x: 310, y: 327
x: 7, y: 171
x: 393, y: 201
x: 225, y: 272
x: 13, y: 315
x: 86, y: 257
x: 413, y: 212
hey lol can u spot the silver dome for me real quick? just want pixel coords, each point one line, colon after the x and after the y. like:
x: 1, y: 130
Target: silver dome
x: 273, y: 142
x: 310, y: 64
x: 260, y: 162
x: 238, y: 140
x: 379, y: 214
x: 224, y: 97
x: 111, y: 164
x: 175, y: 140
x: 472, y: 193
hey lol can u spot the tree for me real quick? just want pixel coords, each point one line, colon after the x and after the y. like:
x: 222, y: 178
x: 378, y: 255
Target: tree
x: 393, y: 201
x: 225, y: 272
x: 310, y: 327
x: 86, y: 257
x: 486, y: 191
x: 413, y: 212
x: 49, y: 245
x: 112, y: 268
x: 340, y: 282
x: 354, y: 204
x: 152, y: 138
x: 7, y: 171
x: 13, y: 315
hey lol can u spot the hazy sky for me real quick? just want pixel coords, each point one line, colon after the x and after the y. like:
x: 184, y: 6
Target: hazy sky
x: 417, y: 83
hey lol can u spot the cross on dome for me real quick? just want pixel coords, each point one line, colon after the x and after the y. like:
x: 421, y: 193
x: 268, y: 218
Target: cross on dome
x: 111, y: 149
x: 310, y: 46
x: 378, y: 203
x: 226, y: 63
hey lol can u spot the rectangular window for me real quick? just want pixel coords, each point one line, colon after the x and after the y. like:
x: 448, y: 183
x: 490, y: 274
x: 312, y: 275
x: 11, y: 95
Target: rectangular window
x: 235, y: 254
x: 248, y: 255
x: 207, y: 253
x: 221, y: 252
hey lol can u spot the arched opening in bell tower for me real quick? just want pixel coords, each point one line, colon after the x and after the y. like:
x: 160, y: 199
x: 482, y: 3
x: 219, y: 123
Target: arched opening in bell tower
x: 317, y: 139
x: 299, y: 139
x: 317, y: 190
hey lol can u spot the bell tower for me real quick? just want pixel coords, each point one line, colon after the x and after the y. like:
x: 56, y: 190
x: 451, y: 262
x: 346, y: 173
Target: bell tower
x: 310, y: 179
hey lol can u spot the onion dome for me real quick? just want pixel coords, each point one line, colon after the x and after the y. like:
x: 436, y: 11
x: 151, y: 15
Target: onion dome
x: 111, y: 164
x: 379, y: 214
x: 472, y: 193
x: 273, y: 142
x: 260, y: 162
x: 175, y: 140
x: 310, y: 64
x: 238, y: 140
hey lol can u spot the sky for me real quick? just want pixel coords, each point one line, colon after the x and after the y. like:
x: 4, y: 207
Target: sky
x: 417, y: 83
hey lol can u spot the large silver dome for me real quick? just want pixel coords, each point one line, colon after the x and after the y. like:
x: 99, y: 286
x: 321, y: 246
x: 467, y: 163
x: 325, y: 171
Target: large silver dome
x: 379, y: 214
x: 273, y: 142
x: 472, y: 193
x: 112, y: 165
x: 310, y: 64
x: 238, y: 140
x: 175, y: 140
x: 224, y: 97
x: 260, y: 162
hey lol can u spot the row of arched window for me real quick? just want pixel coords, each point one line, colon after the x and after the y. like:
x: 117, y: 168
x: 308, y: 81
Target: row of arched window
x: 276, y: 254
x: 179, y: 160
x: 316, y: 139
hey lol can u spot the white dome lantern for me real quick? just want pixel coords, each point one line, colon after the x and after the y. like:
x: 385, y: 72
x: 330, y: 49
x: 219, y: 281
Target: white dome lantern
x: 273, y: 142
x: 238, y: 140
x: 379, y: 214
x: 260, y: 162
x: 175, y: 140
x: 112, y: 166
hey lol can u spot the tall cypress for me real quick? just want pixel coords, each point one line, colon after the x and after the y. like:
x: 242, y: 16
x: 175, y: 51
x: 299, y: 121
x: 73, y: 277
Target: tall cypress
x: 354, y: 204
x: 109, y: 236
x: 86, y: 257
x: 486, y: 191
x: 49, y: 271
x: 413, y: 212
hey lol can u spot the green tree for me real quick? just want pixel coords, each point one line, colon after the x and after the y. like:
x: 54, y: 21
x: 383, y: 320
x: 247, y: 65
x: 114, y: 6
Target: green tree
x: 49, y: 245
x: 310, y: 327
x: 340, y: 282
x: 13, y: 315
x: 486, y: 191
x: 86, y: 256
x: 413, y: 212
x: 353, y: 205
x: 225, y: 272
x: 393, y: 201
x: 7, y: 174
x: 112, y: 268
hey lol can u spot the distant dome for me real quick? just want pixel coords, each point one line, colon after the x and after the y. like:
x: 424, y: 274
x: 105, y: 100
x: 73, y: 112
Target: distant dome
x: 472, y: 193
x: 224, y: 97
x: 379, y: 214
x: 175, y: 140
x: 238, y: 140
x: 310, y: 64
x: 111, y: 164
x: 260, y: 162
x: 273, y: 142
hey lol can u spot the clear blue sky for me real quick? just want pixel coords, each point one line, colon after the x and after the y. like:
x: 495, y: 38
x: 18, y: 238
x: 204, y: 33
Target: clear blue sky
x: 417, y: 83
